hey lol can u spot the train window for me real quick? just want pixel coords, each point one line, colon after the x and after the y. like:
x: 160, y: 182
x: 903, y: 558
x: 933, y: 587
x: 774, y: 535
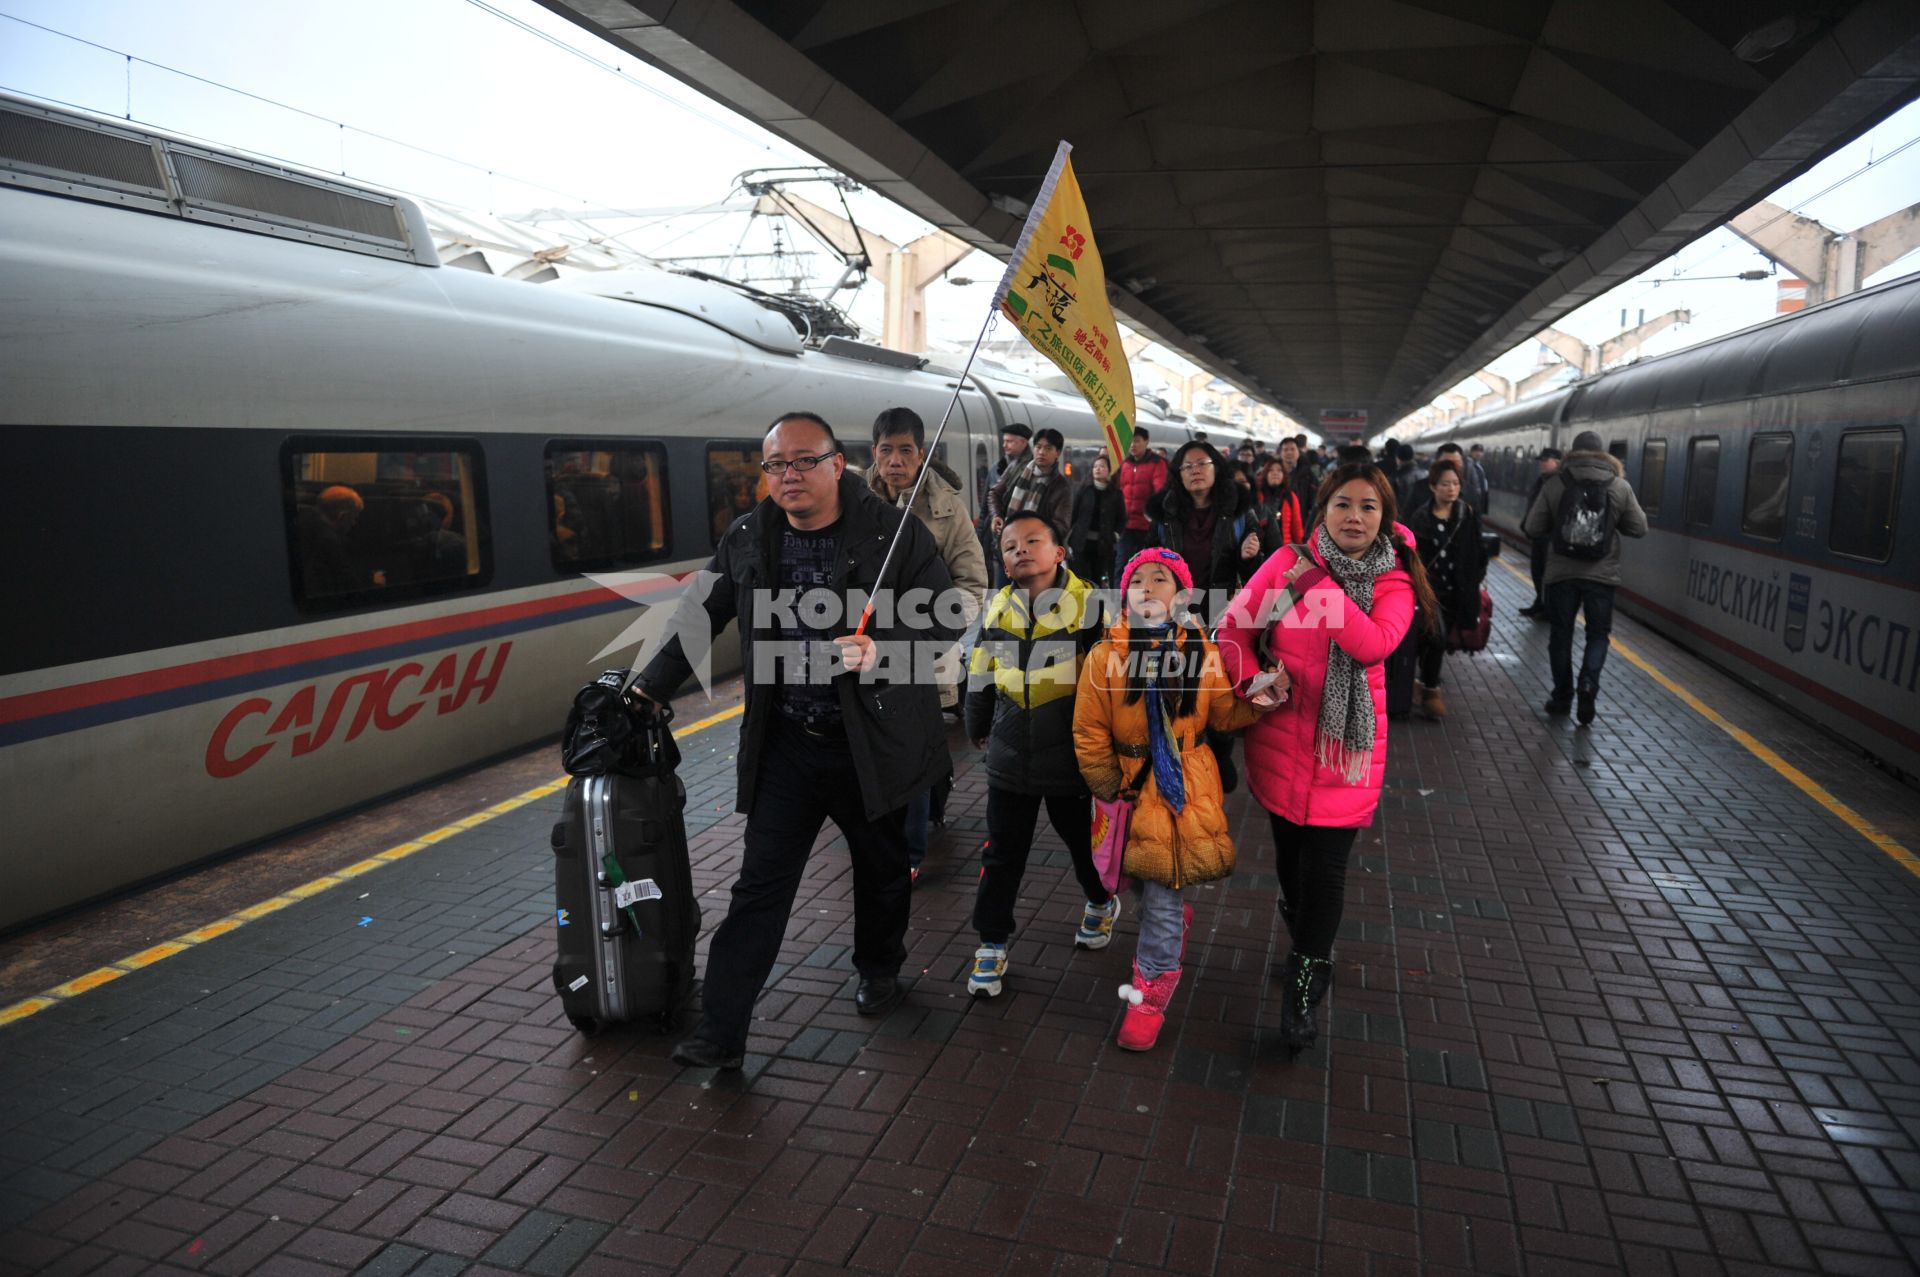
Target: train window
x: 1617, y: 449
x: 1703, y: 479
x: 606, y: 504
x: 1866, y: 494
x: 1653, y: 475
x: 377, y: 521
x: 1763, y: 513
x: 735, y: 484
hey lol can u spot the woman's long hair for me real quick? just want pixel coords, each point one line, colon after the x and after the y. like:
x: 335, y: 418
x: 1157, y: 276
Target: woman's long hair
x: 1407, y: 556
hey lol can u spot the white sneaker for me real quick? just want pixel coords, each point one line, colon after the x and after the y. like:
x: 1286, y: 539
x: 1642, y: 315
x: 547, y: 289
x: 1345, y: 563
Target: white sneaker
x: 1096, y: 925
x: 989, y: 967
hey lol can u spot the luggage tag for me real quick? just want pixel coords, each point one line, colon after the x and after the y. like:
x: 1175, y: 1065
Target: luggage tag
x: 628, y: 894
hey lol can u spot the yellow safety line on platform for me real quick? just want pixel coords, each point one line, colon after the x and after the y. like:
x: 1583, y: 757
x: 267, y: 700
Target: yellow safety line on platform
x: 1801, y: 781
x: 326, y: 882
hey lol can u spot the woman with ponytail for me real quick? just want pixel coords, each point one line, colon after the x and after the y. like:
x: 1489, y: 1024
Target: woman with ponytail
x: 1325, y: 621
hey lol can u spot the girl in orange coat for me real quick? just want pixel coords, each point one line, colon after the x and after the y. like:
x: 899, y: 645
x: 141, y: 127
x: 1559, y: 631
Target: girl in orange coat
x: 1149, y: 692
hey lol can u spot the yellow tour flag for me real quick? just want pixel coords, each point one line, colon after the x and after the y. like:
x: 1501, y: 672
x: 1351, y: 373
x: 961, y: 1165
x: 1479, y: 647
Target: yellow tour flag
x: 1055, y: 292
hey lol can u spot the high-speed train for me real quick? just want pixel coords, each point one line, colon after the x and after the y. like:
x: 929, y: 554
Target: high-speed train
x: 294, y: 518
x: 1783, y: 497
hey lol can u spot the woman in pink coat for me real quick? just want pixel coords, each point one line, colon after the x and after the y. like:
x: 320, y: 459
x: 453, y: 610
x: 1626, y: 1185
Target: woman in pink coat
x: 1323, y: 622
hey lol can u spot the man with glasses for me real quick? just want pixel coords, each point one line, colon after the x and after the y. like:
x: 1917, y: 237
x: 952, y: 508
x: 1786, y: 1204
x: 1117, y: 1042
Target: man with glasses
x: 836, y: 726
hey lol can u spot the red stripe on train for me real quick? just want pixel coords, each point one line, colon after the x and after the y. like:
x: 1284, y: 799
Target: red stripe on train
x: 101, y: 691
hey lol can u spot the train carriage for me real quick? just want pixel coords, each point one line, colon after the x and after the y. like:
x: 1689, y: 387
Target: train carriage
x: 297, y: 519
x: 1779, y: 474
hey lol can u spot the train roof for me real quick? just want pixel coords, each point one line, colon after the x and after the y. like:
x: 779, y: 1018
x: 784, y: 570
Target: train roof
x: 1864, y: 336
x: 84, y: 156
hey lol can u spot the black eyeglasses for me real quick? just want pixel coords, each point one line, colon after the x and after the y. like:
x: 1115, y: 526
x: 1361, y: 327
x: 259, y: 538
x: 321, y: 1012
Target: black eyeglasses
x: 802, y: 464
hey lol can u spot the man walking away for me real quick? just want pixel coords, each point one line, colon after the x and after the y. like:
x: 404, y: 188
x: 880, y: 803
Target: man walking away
x: 1537, y: 564
x: 836, y: 726
x: 1582, y: 512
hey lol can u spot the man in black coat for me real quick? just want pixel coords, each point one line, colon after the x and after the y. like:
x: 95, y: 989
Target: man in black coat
x: 836, y: 727
x: 1537, y: 561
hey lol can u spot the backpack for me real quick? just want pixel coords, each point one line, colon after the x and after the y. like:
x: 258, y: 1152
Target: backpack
x: 1583, y: 529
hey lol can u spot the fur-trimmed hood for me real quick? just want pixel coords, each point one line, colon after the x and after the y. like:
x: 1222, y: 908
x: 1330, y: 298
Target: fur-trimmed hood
x: 1593, y: 465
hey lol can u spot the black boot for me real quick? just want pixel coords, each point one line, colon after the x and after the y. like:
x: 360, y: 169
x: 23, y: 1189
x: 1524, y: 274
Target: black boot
x: 1306, y: 986
x: 1585, y: 713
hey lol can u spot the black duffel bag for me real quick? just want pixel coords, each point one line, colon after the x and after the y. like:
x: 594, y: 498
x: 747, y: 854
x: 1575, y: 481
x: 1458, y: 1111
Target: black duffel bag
x: 606, y: 735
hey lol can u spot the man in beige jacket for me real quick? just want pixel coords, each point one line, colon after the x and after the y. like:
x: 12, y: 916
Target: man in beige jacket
x: 899, y: 450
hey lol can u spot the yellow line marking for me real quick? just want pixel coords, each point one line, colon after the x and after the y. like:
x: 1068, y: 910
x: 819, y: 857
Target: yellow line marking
x: 1800, y: 780
x: 91, y: 980
x: 240, y: 917
x: 254, y: 912
x: 22, y: 1009
x: 147, y: 957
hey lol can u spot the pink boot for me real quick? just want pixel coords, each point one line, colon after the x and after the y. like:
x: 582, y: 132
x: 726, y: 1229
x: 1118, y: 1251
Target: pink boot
x: 1146, y: 1009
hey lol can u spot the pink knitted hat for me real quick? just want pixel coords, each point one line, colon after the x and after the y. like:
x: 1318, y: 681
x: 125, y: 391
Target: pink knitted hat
x: 1165, y: 558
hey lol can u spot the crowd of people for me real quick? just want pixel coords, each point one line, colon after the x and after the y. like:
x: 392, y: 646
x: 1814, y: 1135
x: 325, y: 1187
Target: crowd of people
x: 1129, y: 633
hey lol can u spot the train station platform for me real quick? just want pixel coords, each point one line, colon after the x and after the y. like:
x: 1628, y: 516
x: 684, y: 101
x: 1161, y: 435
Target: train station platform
x: 1642, y: 997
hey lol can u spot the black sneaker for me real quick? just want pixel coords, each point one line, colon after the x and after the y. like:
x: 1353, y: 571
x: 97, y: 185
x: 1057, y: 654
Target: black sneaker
x: 1587, y: 697
x: 1558, y: 708
x: 697, y: 1052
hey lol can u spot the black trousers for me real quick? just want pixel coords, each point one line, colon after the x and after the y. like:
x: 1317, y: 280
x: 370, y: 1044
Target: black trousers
x: 1433, y: 651
x: 804, y: 781
x: 1537, y: 567
x: 1312, y: 864
x: 1011, y: 821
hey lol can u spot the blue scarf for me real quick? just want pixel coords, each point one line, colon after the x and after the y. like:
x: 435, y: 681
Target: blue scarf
x: 1162, y: 744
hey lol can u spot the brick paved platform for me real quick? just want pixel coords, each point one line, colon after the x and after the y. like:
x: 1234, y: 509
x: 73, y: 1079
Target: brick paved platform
x: 1619, y: 999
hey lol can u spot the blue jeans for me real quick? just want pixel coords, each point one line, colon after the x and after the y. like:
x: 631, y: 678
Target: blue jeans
x: 1566, y: 600
x: 1163, y: 926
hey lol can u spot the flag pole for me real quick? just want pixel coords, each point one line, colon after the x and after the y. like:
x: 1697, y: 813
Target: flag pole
x: 926, y: 468
x: 1034, y: 213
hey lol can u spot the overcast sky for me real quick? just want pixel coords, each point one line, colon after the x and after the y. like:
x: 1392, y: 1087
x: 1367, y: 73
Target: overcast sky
x: 505, y: 120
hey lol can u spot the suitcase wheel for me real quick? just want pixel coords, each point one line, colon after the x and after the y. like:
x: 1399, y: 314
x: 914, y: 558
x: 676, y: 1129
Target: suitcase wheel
x: 586, y: 1024
x: 559, y: 836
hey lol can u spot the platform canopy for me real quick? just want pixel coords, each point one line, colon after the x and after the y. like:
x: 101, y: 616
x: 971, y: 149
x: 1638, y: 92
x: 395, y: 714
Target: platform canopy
x: 1337, y: 204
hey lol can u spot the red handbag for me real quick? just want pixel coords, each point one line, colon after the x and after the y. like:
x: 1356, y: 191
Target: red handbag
x: 1473, y: 639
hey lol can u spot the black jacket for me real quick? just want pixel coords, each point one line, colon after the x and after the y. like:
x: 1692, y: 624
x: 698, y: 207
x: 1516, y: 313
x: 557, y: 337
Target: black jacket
x: 1097, y: 519
x: 1458, y: 575
x: 1167, y: 511
x: 894, y: 727
x: 1024, y: 675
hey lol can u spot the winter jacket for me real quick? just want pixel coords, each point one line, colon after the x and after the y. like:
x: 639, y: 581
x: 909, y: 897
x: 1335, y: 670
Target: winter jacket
x: 1021, y: 685
x: 1476, y: 489
x: 1139, y: 480
x: 1282, y: 763
x: 1098, y: 515
x: 945, y: 515
x: 1110, y: 738
x: 1543, y: 516
x: 892, y: 722
x: 1226, y: 570
x: 1456, y: 566
x: 1283, y: 518
x: 1055, y: 500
